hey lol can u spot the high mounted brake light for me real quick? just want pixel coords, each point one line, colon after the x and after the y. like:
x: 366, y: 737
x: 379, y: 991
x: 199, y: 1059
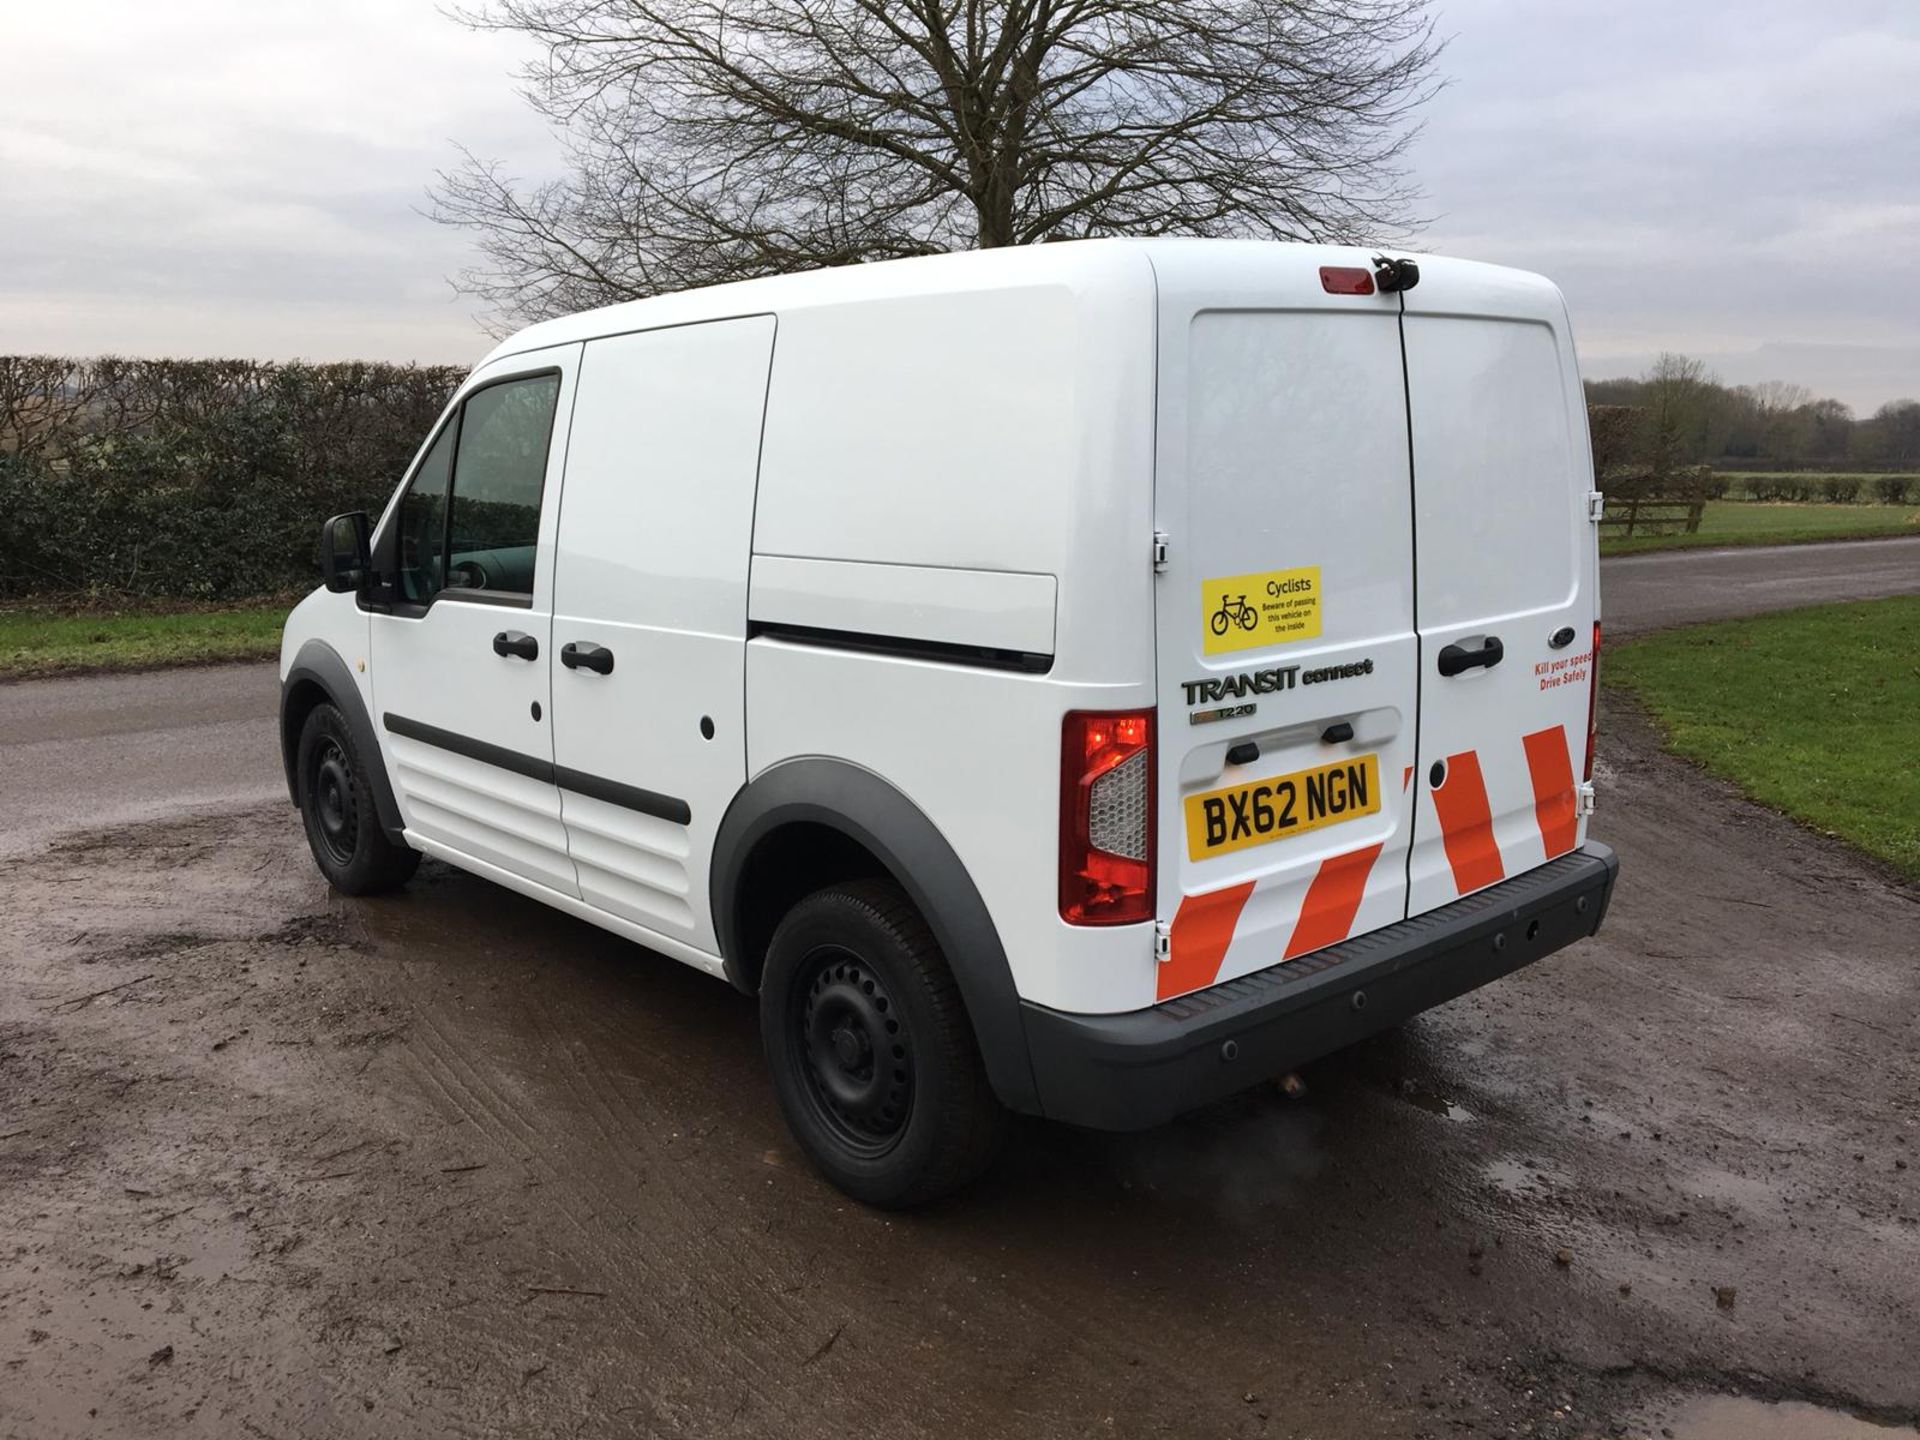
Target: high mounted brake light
x: 1106, y: 817
x: 1346, y: 280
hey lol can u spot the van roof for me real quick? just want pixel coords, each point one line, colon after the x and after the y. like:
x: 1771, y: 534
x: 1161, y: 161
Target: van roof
x: 1085, y: 265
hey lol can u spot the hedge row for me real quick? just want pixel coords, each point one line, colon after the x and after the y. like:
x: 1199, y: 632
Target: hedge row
x: 202, y: 479
x: 1835, y: 489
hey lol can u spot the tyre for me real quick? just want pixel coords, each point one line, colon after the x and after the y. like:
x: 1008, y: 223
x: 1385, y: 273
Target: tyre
x: 1249, y: 618
x: 1219, y: 622
x: 874, y: 1061
x: 336, y: 806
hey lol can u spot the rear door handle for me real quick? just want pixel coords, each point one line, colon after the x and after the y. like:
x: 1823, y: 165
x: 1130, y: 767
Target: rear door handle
x: 1457, y: 658
x: 512, y: 642
x: 578, y: 656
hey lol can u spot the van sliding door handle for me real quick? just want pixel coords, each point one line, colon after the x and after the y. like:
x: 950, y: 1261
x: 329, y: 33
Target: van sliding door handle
x: 577, y: 656
x: 1456, y: 658
x: 514, y: 643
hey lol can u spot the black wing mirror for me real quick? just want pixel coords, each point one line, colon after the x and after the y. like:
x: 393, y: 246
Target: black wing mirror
x: 346, y: 561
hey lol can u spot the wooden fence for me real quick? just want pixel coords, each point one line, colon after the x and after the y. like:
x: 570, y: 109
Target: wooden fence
x: 1636, y: 516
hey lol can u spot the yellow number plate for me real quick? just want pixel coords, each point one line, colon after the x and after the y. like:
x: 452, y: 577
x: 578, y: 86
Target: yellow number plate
x: 1238, y: 816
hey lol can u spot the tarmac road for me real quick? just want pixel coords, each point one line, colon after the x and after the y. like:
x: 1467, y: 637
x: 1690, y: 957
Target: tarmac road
x: 1662, y: 588
x: 273, y: 1162
x: 78, y: 754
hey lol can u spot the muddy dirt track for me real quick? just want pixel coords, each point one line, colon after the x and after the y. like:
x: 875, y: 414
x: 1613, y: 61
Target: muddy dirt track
x: 273, y: 1163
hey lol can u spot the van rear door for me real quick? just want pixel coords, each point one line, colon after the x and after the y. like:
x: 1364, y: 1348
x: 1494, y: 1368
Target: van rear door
x: 1284, y: 615
x: 1507, y: 577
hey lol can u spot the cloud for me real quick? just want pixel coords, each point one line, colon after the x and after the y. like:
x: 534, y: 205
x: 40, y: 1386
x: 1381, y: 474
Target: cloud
x: 1737, y: 181
x: 202, y: 177
x: 1733, y: 178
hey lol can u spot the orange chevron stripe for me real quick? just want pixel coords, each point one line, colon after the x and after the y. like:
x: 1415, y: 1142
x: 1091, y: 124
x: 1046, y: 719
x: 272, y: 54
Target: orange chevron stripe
x: 1551, y: 765
x: 1466, y: 824
x: 1333, y: 899
x: 1202, y: 930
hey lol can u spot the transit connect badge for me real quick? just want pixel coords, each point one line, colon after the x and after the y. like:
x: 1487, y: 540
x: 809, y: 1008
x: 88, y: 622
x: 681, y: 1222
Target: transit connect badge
x: 1269, y: 607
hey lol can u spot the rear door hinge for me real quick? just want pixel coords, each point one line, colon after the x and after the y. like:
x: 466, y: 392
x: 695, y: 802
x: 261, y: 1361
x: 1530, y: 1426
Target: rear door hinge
x: 1162, y: 941
x: 1585, y: 806
x: 1596, y: 506
x: 1159, y: 552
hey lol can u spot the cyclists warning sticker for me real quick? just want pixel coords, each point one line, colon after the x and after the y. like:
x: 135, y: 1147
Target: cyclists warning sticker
x: 1249, y: 612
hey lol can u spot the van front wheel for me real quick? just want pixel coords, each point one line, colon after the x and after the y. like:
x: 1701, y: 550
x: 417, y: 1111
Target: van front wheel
x: 873, y: 1059
x: 336, y: 806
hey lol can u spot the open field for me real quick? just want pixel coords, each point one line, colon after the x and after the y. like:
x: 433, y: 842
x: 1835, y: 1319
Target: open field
x: 1815, y: 712
x: 49, y: 642
x: 1748, y: 522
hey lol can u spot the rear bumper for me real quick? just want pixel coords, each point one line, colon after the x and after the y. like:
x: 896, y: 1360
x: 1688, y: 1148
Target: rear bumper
x: 1129, y: 1071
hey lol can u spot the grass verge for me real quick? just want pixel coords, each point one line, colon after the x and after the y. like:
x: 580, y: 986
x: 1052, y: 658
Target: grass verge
x: 1754, y: 522
x: 51, y: 642
x: 1814, y: 712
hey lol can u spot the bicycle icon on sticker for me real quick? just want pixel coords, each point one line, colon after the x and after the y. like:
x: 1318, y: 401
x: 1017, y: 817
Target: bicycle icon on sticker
x: 1234, y: 611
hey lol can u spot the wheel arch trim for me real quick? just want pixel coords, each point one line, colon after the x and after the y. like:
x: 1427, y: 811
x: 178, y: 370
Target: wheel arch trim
x: 319, y: 664
x: 868, y: 810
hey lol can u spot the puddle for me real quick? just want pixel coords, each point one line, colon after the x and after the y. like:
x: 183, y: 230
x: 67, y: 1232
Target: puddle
x: 1519, y: 1177
x: 1435, y: 1104
x: 1727, y: 1417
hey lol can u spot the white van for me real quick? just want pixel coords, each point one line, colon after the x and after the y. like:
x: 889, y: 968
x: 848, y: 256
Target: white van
x: 998, y: 663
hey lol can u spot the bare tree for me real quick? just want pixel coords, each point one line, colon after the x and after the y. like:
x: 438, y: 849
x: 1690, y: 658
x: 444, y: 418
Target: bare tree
x: 709, y: 140
x: 1680, y: 395
x: 1783, y: 418
x: 1830, y: 430
x: 1779, y: 397
x: 1895, y: 436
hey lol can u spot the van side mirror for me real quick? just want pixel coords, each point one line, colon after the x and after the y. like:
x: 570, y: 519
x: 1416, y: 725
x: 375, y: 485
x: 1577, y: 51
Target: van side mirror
x: 346, y: 562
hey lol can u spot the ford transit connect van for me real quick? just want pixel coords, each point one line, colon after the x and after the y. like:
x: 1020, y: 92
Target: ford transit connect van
x: 1084, y: 680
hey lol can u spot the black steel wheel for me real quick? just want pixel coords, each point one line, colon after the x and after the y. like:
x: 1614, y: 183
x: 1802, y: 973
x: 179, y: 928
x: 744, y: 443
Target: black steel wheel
x: 857, y: 1065
x: 873, y: 1059
x: 342, y: 823
x: 336, y: 813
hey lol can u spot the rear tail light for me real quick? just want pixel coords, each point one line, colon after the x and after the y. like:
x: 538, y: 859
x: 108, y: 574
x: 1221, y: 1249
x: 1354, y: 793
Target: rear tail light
x: 1106, y: 817
x: 1593, y: 700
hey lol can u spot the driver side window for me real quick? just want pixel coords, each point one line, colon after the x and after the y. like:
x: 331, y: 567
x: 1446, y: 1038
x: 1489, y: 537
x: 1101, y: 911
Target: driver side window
x: 470, y: 520
x: 423, y: 521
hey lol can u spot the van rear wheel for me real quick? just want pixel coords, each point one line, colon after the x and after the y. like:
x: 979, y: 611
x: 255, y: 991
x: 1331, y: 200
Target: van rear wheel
x: 873, y: 1059
x: 337, y: 808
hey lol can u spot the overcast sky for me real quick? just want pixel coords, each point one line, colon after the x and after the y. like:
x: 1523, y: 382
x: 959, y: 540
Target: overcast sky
x: 1737, y: 179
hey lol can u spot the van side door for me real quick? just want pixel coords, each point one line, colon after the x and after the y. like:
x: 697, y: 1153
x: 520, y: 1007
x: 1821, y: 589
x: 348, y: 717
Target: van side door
x: 459, y: 648
x: 650, y: 608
